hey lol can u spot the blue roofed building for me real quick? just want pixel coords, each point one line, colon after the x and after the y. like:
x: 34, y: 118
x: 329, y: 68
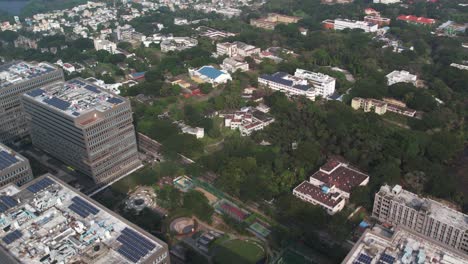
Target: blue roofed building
x: 288, y: 84
x: 209, y: 74
x: 14, y: 168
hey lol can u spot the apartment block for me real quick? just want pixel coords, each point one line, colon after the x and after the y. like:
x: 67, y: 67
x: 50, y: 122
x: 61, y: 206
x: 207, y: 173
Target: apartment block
x: 84, y: 126
x: 102, y: 44
x: 14, y: 168
x: 236, y: 48
x: 381, y: 107
x: 17, y: 78
x: 288, y: 84
x: 324, y: 85
x: 369, y: 105
x: 401, y: 77
x: 47, y: 221
x: 430, y: 218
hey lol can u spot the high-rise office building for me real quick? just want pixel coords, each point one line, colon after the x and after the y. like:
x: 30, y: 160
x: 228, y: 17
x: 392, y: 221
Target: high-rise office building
x: 427, y: 217
x: 14, y: 168
x: 84, y: 126
x: 17, y: 78
x: 47, y: 221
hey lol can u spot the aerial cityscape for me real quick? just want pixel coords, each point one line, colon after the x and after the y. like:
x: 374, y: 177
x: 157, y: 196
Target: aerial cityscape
x: 233, y: 131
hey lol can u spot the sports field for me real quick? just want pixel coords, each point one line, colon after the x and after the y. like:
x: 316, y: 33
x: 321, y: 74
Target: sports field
x: 260, y: 229
x: 238, y: 252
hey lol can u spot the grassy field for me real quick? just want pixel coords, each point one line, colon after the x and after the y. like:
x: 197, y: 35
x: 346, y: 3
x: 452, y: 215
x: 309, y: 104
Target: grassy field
x: 238, y: 252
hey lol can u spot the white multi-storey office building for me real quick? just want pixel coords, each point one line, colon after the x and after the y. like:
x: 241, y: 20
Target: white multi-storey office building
x: 84, y: 126
x: 428, y: 217
x: 17, y: 78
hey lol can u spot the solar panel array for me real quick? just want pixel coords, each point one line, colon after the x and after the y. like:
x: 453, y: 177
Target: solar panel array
x: 92, y: 88
x: 78, y: 82
x: 58, y: 103
x: 6, y: 203
x: 82, y: 207
x: 385, y: 258
x: 114, y: 100
x: 363, y: 258
x: 6, y: 160
x: 36, y: 92
x: 11, y: 237
x: 40, y: 185
x: 134, y: 246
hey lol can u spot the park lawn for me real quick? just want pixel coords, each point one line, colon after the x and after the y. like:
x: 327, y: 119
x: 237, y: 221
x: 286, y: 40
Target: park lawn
x: 238, y: 252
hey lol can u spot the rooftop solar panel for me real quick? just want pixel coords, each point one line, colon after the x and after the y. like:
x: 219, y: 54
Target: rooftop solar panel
x: 57, y: 103
x: 40, y: 185
x: 141, y: 251
x: 387, y: 258
x: 145, y: 242
x: 75, y: 208
x: 6, y: 160
x: 86, y: 205
x: 36, y: 92
x: 92, y: 88
x: 114, y: 100
x: 3, y: 208
x: 8, y: 201
x: 11, y: 237
x: 125, y: 252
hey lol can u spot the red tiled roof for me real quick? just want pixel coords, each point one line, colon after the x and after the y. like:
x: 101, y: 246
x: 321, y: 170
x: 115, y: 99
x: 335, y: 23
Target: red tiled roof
x: 340, y: 175
x: 317, y: 194
x: 233, y: 211
x: 415, y: 19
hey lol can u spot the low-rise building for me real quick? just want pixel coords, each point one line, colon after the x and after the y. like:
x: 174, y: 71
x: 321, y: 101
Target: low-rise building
x: 14, y: 168
x: 214, y: 34
x: 429, y: 218
x: 198, y: 132
x: 369, y: 105
x: 386, y: 2
x: 247, y: 120
x: 400, y: 246
x: 459, y: 66
x: 380, y: 21
x: 416, y: 20
x: 331, y: 186
x: 340, y: 24
x: 288, y: 84
x: 177, y: 44
x: 232, y: 65
x: 401, y: 77
x: 209, y: 74
x: 47, y: 221
x: 381, y: 107
x: 236, y: 48
x: 272, y: 20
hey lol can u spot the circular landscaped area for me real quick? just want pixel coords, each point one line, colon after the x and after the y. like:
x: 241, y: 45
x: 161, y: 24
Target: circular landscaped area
x: 238, y: 252
x: 183, y: 226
